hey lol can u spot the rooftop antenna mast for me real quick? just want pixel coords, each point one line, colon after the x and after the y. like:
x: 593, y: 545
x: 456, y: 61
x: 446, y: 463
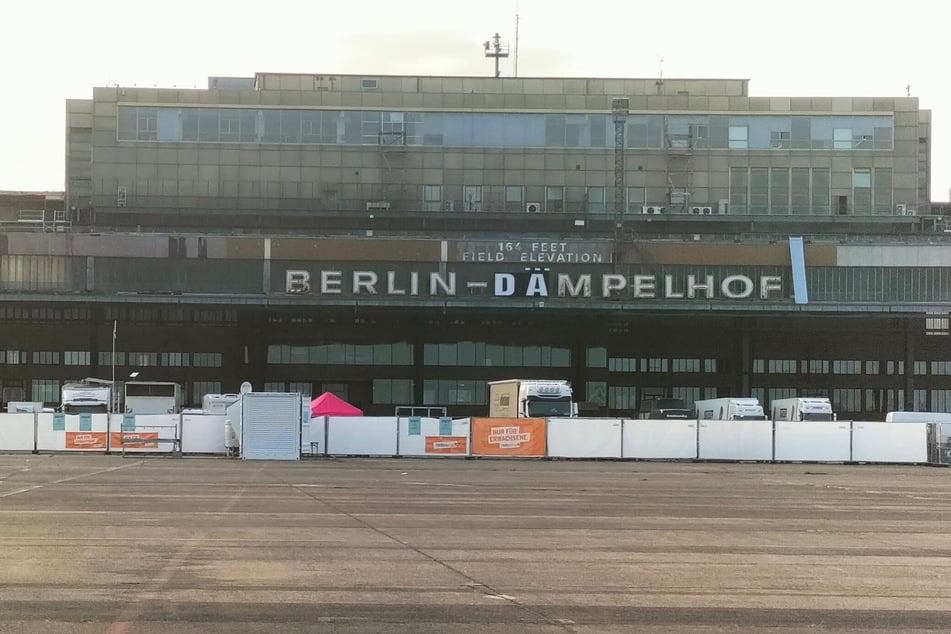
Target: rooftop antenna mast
x: 515, y: 74
x: 495, y: 49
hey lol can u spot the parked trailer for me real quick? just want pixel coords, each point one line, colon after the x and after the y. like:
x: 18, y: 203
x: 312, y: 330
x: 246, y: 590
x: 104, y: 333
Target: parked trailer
x: 730, y: 408
x: 153, y: 397
x: 918, y: 417
x: 801, y: 408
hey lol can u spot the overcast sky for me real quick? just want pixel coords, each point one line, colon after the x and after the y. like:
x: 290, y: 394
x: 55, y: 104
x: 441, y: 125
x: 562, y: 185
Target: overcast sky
x: 52, y: 51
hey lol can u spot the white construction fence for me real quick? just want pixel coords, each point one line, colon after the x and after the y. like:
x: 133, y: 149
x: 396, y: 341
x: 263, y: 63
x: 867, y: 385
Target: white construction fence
x: 582, y: 438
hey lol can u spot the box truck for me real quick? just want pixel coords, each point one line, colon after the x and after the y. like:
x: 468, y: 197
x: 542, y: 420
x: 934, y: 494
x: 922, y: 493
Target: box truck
x: 730, y: 408
x: 531, y: 398
x: 802, y: 408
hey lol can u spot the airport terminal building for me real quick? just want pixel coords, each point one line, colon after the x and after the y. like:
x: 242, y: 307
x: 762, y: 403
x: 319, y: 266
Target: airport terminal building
x: 403, y: 240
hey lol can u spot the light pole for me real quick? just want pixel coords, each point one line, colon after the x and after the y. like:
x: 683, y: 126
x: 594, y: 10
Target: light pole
x: 112, y: 389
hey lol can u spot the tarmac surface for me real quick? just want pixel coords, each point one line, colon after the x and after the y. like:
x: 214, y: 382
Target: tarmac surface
x: 105, y: 544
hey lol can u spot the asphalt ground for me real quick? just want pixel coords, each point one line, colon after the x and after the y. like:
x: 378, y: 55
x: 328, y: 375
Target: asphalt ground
x: 105, y: 544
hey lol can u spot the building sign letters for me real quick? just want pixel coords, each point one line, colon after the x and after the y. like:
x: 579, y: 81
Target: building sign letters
x: 534, y: 284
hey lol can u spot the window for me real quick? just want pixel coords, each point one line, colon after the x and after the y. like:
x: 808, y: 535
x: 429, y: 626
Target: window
x: 554, y: 199
x: 842, y: 138
x: 472, y: 197
x: 596, y: 392
x: 76, y: 358
x: 514, y: 198
x: 622, y: 397
x: 622, y: 364
x: 685, y: 365
x: 821, y: 190
x: 847, y: 400
x: 779, y: 190
x: 45, y: 357
x: 782, y: 366
x: 12, y: 357
x: 105, y: 359
x: 739, y: 189
x: 759, y: 190
x: 862, y: 191
x: 595, y: 200
x: 937, y: 324
x: 206, y: 359
x: 143, y: 359
x: 654, y: 365
x: 846, y: 366
x: 174, y: 359
x: 432, y: 197
x: 799, y: 190
x: 454, y: 392
x: 636, y: 198
x: 45, y: 391
x: 392, y: 391
x: 779, y: 139
x: 739, y: 137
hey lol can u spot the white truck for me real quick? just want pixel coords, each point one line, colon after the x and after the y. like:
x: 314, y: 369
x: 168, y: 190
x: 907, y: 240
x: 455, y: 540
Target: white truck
x: 83, y: 397
x: 802, y: 408
x: 729, y: 408
x: 531, y: 398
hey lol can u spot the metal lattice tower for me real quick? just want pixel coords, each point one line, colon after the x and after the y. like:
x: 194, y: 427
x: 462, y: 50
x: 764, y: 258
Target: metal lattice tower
x: 619, y: 109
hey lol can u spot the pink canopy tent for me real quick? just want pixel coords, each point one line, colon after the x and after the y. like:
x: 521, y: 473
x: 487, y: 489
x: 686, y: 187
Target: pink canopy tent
x: 329, y: 405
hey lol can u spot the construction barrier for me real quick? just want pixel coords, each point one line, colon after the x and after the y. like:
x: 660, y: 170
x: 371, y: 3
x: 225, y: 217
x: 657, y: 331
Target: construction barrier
x: 764, y: 441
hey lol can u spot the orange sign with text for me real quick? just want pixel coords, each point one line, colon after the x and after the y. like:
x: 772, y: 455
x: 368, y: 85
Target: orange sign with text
x: 508, y: 437
x: 85, y: 440
x: 446, y: 444
x: 134, y: 439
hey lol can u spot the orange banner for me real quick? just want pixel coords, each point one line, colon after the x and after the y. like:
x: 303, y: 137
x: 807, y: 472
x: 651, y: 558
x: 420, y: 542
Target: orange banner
x: 446, y: 444
x: 85, y: 440
x: 508, y: 437
x: 134, y: 439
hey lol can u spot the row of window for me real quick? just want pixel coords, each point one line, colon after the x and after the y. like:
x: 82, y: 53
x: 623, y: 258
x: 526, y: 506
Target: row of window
x: 122, y: 359
x: 19, y: 269
x: 472, y: 354
x: 502, y: 129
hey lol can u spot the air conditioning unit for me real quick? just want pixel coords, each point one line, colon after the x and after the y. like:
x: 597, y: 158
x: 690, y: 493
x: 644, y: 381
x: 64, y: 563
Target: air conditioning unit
x: 120, y: 196
x: 378, y: 205
x: 533, y: 208
x: 723, y: 206
x: 653, y: 209
x: 448, y: 205
x: 901, y: 209
x: 701, y: 211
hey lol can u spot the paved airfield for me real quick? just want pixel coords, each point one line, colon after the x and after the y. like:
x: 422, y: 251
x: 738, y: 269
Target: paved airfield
x: 113, y: 545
